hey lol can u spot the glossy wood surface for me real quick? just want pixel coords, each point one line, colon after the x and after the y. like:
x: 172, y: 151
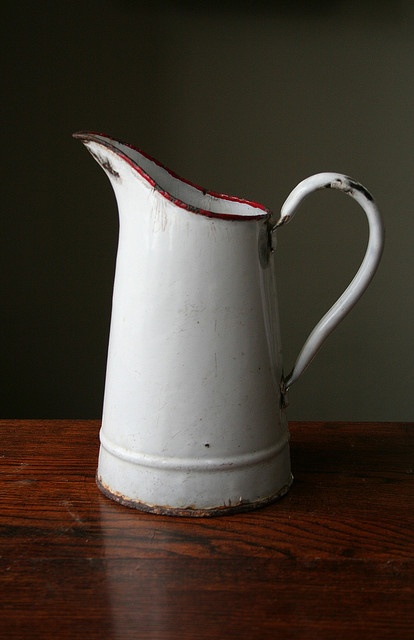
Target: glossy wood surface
x: 332, y: 559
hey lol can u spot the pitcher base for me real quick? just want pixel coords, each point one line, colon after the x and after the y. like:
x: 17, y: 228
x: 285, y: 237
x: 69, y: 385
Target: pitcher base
x: 191, y: 511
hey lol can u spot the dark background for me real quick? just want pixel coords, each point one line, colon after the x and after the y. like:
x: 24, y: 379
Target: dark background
x: 245, y: 98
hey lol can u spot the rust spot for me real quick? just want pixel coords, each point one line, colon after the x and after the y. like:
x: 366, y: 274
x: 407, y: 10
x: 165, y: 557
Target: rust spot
x: 191, y: 511
x: 349, y: 187
x: 109, y: 168
x: 361, y: 188
x: 106, y: 165
x: 265, y: 245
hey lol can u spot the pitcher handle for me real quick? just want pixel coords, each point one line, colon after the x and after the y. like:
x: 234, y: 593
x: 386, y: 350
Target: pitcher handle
x: 364, y: 274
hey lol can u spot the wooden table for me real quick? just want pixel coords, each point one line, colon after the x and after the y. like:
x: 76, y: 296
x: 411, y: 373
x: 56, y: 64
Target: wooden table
x: 333, y: 559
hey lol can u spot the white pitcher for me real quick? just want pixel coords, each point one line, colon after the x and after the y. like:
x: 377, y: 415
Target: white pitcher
x: 194, y: 417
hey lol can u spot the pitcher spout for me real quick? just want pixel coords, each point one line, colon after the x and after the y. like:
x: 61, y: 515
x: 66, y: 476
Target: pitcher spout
x: 121, y: 160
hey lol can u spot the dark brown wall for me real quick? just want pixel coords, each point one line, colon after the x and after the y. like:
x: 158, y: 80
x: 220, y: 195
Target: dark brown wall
x: 244, y: 98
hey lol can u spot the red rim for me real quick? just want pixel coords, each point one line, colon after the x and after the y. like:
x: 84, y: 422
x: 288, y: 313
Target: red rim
x: 106, y: 141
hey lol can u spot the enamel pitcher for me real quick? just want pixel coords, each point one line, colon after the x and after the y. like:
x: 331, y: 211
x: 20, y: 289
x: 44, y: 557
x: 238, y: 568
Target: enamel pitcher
x: 194, y: 417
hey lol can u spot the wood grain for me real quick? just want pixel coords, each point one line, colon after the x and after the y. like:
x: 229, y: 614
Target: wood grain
x: 333, y: 559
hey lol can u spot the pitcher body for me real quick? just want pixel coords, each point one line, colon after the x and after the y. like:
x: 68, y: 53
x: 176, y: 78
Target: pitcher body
x: 193, y: 420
